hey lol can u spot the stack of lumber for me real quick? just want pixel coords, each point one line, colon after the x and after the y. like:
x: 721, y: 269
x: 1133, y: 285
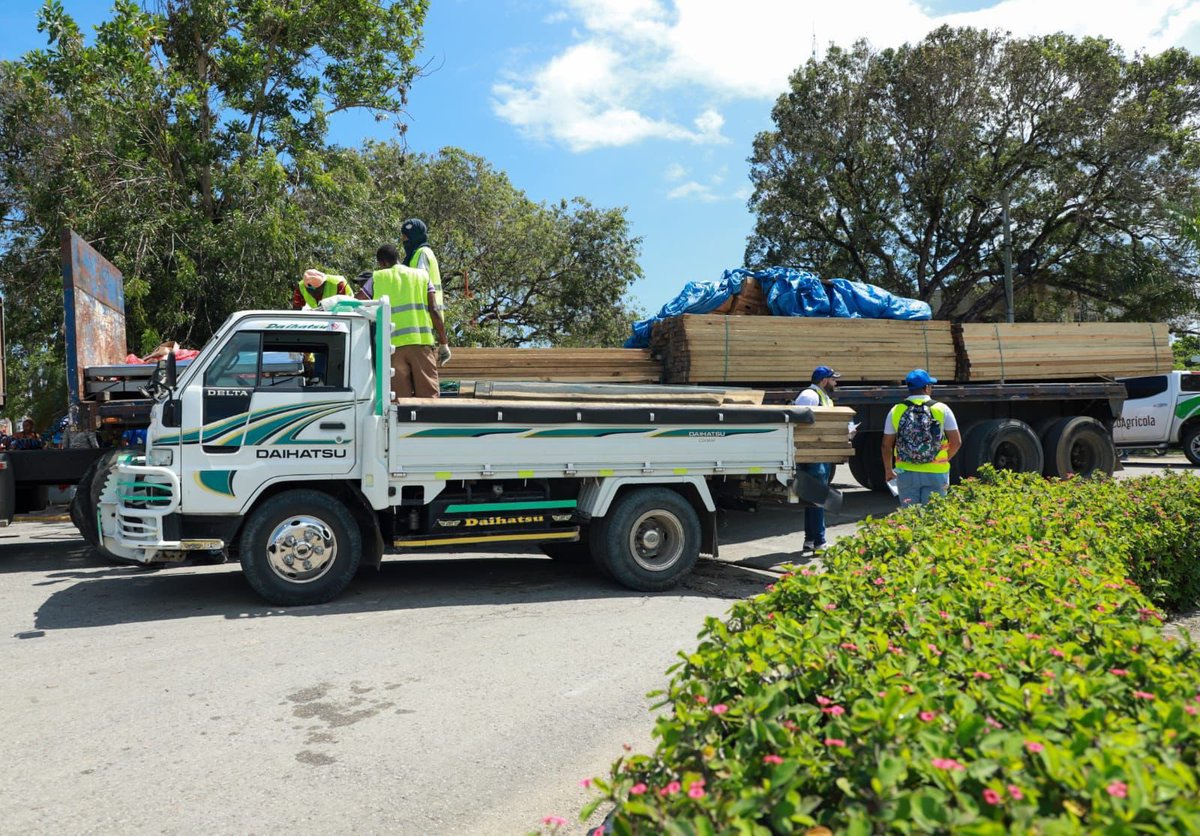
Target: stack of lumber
x: 1063, y: 350
x: 827, y: 440
x: 556, y: 365
x: 748, y: 301
x: 765, y: 350
x: 612, y: 393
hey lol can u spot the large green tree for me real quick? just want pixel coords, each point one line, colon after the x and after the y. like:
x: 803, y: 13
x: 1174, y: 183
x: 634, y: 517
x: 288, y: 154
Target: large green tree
x: 515, y: 271
x: 893, y: 166
x: 178, y: 141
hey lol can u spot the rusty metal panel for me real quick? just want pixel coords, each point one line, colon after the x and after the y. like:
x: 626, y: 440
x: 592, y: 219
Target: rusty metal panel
x: 93, y: 311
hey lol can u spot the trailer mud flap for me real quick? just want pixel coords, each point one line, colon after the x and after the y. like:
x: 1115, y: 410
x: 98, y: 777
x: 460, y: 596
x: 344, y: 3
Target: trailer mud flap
x: 817, y: 492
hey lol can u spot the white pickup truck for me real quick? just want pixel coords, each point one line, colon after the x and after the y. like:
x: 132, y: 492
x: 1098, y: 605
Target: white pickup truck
x: 303, y: 472
x: 1161, y: 411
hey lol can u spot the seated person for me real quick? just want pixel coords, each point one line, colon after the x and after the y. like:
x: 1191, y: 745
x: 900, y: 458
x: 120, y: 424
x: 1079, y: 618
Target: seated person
x: 26, y: 439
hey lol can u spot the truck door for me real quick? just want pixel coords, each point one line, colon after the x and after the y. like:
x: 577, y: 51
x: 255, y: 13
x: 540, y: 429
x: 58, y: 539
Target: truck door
x: 1146, y: 416
x: 276, y: 405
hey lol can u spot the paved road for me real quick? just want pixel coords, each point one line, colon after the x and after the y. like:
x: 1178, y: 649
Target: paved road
x: 456, y: 695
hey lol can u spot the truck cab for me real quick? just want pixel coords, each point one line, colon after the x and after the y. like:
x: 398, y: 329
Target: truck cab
x: 1161, y: 411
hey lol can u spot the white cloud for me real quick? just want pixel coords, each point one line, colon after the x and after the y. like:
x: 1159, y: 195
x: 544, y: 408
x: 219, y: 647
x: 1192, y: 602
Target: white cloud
x: 675, y: 172
x: 638, y: 62
x: 694, y: 191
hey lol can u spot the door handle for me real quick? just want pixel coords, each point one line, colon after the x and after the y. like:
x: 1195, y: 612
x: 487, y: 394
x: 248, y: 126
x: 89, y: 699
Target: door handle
x: 332, y: 425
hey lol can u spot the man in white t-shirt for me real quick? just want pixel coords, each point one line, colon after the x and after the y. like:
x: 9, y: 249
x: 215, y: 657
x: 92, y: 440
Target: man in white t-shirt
x: 818, y: 393
x: 920, y: 437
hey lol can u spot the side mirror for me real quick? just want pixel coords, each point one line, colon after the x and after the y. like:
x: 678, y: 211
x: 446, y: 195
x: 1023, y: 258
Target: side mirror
x: 172, y: 371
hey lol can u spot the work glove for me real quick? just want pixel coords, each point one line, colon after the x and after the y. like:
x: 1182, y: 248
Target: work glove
x: 444, y: 354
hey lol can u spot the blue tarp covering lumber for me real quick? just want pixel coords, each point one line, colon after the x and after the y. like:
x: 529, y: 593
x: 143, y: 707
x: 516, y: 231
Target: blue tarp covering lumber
x: 789, y: 292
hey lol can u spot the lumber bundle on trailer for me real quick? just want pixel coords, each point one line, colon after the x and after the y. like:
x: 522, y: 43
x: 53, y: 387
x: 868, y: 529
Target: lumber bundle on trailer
x: 1064, y: 350
x: 612, y: 393
x: 826, y: 440
x: 554, y: 365
x: 748, y: 301
x: 763, y: 350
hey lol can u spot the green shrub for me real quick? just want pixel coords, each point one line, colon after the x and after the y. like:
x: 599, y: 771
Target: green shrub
x: 993, y: 662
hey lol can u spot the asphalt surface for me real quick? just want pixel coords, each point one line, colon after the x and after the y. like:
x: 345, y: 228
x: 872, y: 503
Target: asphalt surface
x: 445, y: 695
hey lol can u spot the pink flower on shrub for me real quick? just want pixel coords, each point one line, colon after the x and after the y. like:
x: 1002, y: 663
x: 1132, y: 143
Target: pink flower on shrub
x: 934, y: 649
x: 992, y: 797
x: 775, y: 760
x: 1054, y: 651
x: 831, y: 607
x: 1191, y: 709
x: 981, y: 675
x: 1034, y: 747
x: 1143, y: 695
x: 1118, y: 789
x: 703, y: 700
x: 586, y: 783
x: 949, y: 764
x: 1048, y: 674
x: 928, y: 716
x: 720, y: 708
x: 994, y: 724
x: 943, y: 614
x: 696, y: 790
x: 637, y: 789
x: 835, y: 710
x: 770, y: 587
x: 824, y: 701
x: 1015, y: 792
x: 851, y: 646
x: 555, y: 821
x: 1033, y: 636
x: 671, y: 788
x: 833, y: 741
x: 1118, y: 671
x: 880, y: 581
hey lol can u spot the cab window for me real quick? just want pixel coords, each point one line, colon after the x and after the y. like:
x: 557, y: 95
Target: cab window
x: 1138, y: 388
x: 1189, y: 382
x: 236, y: 366
x: 280, y: 360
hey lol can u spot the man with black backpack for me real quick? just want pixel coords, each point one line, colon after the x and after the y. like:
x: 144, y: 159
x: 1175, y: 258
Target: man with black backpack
x: 920, y: 436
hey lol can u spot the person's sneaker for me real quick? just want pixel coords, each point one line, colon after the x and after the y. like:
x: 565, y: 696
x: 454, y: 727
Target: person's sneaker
x: 808, y: 546
x: 819, y: 547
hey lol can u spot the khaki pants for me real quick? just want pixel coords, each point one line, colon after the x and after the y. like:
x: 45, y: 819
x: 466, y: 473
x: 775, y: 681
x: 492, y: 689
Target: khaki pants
x: 415, y: 372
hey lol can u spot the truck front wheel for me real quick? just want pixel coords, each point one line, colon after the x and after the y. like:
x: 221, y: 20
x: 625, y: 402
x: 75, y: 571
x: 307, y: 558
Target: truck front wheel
x: 651, y: 539
x: 300, y: 547
x: 1191, y: 444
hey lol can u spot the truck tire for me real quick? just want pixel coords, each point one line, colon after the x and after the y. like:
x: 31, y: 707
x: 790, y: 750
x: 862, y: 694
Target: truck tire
x: 651, y: 539
x: 300, y: 547
x: 87, y: 501
x: 1005, y: 444
x: 1191, y: 444
x: 1078, y: 445
x: 866, y: 465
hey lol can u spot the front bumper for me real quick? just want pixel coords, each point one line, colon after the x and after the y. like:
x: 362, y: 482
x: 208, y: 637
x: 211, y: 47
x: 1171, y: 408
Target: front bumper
x: 134, y: 506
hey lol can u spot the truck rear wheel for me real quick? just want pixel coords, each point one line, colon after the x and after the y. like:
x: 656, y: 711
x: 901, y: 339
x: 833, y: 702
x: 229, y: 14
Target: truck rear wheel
x: 651, y: 539
x: 1191, y: 444
x: 1078, y: 445
x: 1005, y: 444
x: 300, y: 547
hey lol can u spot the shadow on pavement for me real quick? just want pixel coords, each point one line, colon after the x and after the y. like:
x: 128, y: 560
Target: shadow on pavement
x: 107, y: 595
x: 735, y: 527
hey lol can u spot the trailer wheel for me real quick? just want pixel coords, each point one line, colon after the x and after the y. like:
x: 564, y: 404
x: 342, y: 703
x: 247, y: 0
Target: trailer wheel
x: 1078, y: 445
x: 651, y: 539
x: 1191, y: 444
x: 300, y: 547
x: 1005, y: 444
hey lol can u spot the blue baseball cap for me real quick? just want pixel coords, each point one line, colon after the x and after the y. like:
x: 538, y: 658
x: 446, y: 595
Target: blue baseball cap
x: 919, y: 379
x: 822, y: 372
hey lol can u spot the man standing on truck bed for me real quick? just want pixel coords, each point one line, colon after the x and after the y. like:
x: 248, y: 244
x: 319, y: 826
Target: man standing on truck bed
x: 920, y: 437
x: 419, y: 255
x: 819, y: 392
x: 415, y: 319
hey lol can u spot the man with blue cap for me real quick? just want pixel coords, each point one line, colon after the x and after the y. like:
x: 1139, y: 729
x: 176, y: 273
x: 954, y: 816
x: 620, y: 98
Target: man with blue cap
x: 818, y: 393
x: 920, y: 437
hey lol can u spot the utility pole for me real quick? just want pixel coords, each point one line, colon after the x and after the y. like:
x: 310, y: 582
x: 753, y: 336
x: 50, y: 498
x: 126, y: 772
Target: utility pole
x: 1008, y: 266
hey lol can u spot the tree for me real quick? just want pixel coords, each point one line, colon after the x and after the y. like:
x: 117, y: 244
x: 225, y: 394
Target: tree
x: 892, y: 167
x: 179, y: 142
x: 515, y: 272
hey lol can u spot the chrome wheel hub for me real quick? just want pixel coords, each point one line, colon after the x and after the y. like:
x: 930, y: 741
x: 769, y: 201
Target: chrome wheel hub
x: 656, y: 540
x: 301, y: 549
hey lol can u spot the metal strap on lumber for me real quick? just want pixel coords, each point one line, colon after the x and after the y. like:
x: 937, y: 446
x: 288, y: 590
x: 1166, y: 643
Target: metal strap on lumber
x: 999, y: 348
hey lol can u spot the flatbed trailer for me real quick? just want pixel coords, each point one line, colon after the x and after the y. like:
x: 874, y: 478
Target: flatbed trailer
x: 1057, y: 429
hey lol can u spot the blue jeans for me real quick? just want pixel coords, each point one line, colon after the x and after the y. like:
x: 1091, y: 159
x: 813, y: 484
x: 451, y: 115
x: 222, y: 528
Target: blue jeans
x: 814, y: 515
x: 916, y: 487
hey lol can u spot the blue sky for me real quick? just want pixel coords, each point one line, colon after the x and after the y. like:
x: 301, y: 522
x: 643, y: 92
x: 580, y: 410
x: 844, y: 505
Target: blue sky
x: 653, y: 104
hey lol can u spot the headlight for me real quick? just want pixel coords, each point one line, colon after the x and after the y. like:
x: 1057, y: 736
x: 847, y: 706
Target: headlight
x: 162, y: 457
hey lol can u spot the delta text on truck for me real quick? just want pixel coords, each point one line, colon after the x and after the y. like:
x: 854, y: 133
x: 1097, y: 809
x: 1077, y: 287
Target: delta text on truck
x: 279, y: 443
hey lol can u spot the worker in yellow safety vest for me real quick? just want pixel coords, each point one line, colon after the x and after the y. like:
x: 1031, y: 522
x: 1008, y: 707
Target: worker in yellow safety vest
x: 920, y: 437
x: 316, y: 286
x: 418, y: 254
x: 416, y: 321
x: 824, y: 383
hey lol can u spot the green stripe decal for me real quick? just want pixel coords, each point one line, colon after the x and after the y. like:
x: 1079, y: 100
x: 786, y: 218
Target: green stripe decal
x: 1186, y: 407
x: 512, y: 506
x: 573, y: 432
x: 465, y: 432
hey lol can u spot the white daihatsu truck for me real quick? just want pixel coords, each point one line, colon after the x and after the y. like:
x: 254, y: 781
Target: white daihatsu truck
x: 1161, y: 411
